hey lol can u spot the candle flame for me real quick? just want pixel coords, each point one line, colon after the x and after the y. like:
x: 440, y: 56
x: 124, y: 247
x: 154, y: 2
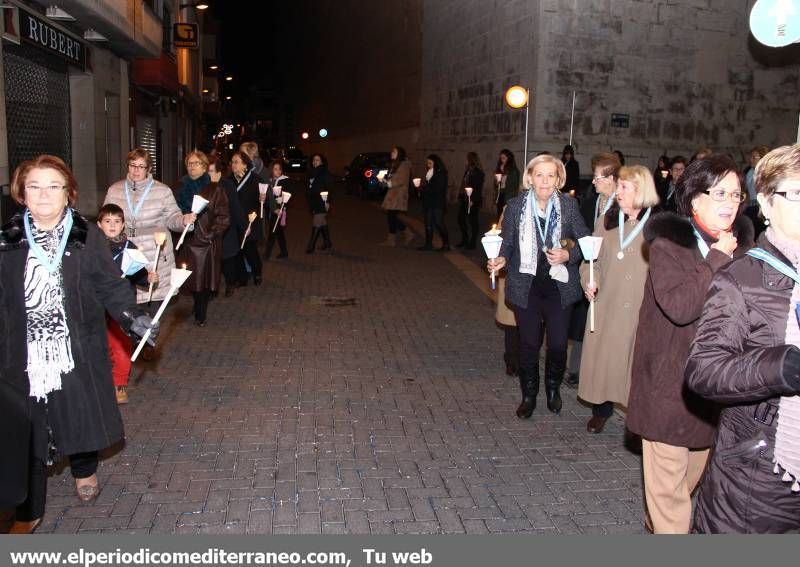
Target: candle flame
x: 183, y: 266
x: 494, y: 227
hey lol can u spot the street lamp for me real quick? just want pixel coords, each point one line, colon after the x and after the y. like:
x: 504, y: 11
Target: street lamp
x: 518, y: 97
x: 304, y: 135
x: 196, y: 5
x: 323, y: 133
x: 229, y: 78
x: 214, y: 67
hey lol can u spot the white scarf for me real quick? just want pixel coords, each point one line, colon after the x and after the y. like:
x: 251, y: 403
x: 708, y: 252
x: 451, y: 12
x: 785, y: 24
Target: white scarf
x: 787, y: 433
x: 429, y: 174
x: 528, y: 241
x: 49, y: 347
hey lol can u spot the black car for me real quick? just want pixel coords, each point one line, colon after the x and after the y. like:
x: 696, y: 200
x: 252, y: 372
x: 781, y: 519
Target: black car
x: 364, y: 174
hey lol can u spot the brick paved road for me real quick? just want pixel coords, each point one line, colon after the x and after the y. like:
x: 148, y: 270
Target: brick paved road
x: 359, y: 392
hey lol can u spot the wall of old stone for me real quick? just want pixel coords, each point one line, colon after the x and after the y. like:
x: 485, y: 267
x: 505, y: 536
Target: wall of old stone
x: 686, y: 73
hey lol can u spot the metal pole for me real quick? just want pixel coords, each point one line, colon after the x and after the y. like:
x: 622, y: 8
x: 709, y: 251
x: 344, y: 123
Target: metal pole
x: 572, y: 118
x: 527, y: 108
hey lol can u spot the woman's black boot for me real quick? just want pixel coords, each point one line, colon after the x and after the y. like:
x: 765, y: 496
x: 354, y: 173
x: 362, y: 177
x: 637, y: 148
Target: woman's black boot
x: 529, y: 384
x: 554, y: 366
x: 312, y: 243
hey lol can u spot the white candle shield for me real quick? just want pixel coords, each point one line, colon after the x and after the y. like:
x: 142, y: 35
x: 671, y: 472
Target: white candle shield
x: 491, y: 245
x: 199, y: 204
x: 590, y: 248
x: 176, y: 279
x: 417, y: 182
x: 324, y: 195
x: 133, y: 260
x: 286, y: 197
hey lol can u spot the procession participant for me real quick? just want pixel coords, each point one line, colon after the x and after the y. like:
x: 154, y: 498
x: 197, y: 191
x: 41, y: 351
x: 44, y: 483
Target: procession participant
x: 619, y: 274
x: 202, y: 251
x: 56, y: 392
x: 745, y: 356
x: 149, y: 207
x: 542, y: 280
x: 686, y: 249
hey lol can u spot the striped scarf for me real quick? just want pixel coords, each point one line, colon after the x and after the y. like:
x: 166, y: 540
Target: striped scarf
x: 49, y: 350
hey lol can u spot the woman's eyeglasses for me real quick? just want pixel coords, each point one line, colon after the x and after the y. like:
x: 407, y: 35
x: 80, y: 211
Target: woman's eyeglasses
x: 790, y: 194
x: 136, y: 166
x: 720, y: 195
x: 47, y: 189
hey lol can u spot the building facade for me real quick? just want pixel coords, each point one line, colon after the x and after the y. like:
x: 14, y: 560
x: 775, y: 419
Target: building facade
x: 88, y: 81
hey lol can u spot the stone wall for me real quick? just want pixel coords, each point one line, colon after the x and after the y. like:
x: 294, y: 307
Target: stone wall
x: 686, y: 73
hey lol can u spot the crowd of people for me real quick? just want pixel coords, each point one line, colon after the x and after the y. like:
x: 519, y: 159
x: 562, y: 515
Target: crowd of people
x: 693, y: 324
x: 697, y: 324
x: 76, y: 297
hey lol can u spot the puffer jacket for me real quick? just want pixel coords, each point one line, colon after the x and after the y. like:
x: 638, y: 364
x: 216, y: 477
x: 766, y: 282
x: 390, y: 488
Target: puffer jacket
x: 159, y: 213
x: 740, y: 359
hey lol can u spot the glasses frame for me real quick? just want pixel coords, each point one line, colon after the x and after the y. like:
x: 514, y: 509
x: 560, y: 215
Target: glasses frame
x: 138, y: 167
x: 48, y: 189
x: 784, y: 193
x: 601, y: 177
x: 727, y: 197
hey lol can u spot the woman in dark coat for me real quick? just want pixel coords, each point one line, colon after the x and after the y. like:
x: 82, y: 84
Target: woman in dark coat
x: 469, y: 206
x: 57, y: 280
x: 246, y: 183
x: 506, y: 178
x: 541, y: 228
x: 202, y: 251
x: 318, y: 182
x: 277, y: 183
x: 434, y: 197
x: 745, y: 356
x: 572, y: 168
x: 677, y: 427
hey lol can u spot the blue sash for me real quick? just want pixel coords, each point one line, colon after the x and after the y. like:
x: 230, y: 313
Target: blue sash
x: 38, y: 251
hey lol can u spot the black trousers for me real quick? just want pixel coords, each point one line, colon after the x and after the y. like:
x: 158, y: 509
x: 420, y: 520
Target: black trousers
x: 434, y: 220
x: 543, y: 314
x: 278, y: 235
x: 511, y: 354
x: 249, y: 253
x: 230, y: 270
x: 395, y: 224
x: 468, y: 224
x: 82, y: 465
x: 201, y: 299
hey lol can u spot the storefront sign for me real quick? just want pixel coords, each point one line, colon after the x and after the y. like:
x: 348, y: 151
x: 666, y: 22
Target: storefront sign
x: 185, y: 35
x: 45, y: 36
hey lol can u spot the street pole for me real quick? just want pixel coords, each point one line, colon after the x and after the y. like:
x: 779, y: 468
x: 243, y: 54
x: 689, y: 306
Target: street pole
x: 572, y: 118
x: 527, y: 109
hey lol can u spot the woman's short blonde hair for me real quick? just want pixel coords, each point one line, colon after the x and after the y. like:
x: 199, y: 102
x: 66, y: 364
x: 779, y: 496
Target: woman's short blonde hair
x: 776, y: 166
x: 561, y: 172
x: 199, y: 155
x: 642, y: 179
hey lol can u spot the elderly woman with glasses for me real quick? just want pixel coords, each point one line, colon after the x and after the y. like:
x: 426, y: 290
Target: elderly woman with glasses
x: 57, y: 281
x: 149, y: 208
x: 746, y: 357
x: 686, y: 250
x: 619, y: 277
x: 202, y: 252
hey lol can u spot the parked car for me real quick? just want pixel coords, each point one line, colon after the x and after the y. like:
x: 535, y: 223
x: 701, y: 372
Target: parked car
x: 362, y: 175
x: 296, y: 160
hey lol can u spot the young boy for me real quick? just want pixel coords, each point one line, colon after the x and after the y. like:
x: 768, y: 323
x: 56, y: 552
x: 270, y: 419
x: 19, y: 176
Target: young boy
x: 111, y: 220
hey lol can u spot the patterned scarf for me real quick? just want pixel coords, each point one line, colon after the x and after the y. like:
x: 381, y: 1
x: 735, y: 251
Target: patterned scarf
x: 787, y: 433
x: 49, y: 349
x: 528, y: 233
x: 191, y: 187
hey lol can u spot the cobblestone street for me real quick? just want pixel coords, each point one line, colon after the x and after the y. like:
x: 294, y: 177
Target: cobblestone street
x: 357, y: 392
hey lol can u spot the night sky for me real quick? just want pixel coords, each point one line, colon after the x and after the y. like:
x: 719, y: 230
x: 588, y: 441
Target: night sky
x: 255, y: 43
